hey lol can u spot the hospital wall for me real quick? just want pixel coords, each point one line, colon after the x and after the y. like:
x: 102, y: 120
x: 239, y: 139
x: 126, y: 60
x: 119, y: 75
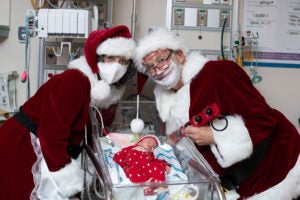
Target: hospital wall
x: 280, y: 86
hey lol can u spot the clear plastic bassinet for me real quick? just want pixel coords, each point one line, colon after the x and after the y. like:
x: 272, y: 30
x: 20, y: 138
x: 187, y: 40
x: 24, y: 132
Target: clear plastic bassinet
x: 200, y: 182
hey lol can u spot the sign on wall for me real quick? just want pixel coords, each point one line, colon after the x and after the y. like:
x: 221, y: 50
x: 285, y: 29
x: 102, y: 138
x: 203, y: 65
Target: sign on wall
x: 276, y: 24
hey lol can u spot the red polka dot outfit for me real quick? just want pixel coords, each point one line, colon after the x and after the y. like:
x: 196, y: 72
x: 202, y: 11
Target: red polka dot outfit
x: 140, y: 165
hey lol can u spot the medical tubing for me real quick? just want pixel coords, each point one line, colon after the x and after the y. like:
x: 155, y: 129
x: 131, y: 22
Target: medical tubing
x: 101, y: 119
x: 27, y: 51
x: 222, y: 38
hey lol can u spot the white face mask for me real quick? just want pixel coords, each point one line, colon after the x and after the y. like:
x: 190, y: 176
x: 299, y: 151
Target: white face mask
x: 169, y: 77
x: 111, y: 72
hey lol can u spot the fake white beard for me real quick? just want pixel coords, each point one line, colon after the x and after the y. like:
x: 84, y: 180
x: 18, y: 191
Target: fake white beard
x: 172, y: 76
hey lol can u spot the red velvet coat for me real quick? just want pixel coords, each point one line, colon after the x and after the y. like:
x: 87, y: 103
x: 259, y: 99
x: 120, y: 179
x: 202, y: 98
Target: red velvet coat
x: 230, y: 87
x: 60, y: 109
x: 250, y: 121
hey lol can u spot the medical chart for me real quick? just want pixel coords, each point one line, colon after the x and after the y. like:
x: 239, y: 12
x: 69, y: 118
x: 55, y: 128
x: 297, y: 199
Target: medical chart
x: 276, y: 23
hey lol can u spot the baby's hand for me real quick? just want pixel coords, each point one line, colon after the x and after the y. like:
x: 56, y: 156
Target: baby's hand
x: 168, y: 169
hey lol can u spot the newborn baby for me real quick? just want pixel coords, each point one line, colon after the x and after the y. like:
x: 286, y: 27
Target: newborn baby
x: 139, y: 163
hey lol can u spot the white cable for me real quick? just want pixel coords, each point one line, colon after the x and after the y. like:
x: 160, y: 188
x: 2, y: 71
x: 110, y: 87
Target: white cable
x: 137, y: 105
x: 100, y: 115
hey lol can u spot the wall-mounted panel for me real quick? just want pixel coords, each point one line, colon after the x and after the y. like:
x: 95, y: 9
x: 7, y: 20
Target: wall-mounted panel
x: 206, y: 25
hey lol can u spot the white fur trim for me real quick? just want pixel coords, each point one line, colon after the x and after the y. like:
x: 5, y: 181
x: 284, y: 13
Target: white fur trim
x: 157, y: 39
x: 173, y: 107
x: 164, y: 100
x: 114, y: 97
x: 82, y: 65
x: 194, y: 63
x: 287, y: 189
x: 233, y: 144
x: 119, y: 46
x: 99, y: 92
x: 69, y: 179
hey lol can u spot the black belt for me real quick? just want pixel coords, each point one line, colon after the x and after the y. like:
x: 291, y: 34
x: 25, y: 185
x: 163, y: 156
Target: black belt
x: 246, y: 167
x: 23, y: 119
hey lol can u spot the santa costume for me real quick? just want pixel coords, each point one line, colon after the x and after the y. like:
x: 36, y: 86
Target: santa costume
x: 139, y: 164
x: 254, y: 128
x: 36, y: 144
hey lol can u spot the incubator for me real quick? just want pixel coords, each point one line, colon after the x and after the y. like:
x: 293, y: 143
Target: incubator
x: 191, y: 177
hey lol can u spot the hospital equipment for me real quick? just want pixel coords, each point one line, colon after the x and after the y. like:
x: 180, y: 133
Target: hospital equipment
x: 8, y: 91
x: 62, y: 28
x: 64, y: 23
x: 205, y: 26
x: 251, y: 55
x: 207, y: 116
x: 197, y: 180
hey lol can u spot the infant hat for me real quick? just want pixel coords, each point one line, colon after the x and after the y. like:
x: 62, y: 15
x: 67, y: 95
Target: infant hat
x: 148, y: 137
x: 114, y: 41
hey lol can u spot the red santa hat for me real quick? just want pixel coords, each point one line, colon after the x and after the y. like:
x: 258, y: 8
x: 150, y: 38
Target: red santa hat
x: 148, y: 137
x: 115, y: 41
x: 157, y: 39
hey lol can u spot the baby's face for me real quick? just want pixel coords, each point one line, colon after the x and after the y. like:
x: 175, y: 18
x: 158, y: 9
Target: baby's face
x: 148, y: 143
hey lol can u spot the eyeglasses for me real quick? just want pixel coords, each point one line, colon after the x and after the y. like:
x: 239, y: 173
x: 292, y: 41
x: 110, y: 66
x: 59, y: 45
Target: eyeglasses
x: 117, y: 59
x: 157, y: 61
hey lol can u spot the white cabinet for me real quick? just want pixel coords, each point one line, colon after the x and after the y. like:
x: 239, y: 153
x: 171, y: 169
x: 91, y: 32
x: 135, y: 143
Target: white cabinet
x: 4, y: 18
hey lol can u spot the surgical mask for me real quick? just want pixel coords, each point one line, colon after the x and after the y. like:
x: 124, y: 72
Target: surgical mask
x: 111, y: 72
x: 169, y: 77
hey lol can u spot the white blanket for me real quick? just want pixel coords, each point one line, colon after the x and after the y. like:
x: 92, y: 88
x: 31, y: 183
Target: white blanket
x: 114, y: 142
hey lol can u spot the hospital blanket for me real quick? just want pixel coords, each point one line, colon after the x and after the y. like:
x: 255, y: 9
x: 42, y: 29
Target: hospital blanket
x: 113, y: 143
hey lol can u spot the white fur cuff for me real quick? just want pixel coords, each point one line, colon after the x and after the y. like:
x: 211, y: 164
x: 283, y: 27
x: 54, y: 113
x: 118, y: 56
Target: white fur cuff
x: 233, y: 144
x: 69, y: 179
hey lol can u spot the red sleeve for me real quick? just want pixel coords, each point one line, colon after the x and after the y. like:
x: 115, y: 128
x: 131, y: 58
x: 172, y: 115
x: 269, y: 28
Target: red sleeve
x: 227, y: 84
x: 64, y: 108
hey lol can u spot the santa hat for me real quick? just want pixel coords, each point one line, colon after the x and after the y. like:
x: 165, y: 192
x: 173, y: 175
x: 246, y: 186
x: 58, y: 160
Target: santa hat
x: 148, y: 137
x: 156, y: 39
x: 115, y: 41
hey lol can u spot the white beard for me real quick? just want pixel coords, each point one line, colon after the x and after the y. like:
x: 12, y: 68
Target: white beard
x: 102, y: 94
x: 169, y: 77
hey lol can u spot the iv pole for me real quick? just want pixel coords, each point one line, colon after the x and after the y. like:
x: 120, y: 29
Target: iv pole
x: 133, y: 18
